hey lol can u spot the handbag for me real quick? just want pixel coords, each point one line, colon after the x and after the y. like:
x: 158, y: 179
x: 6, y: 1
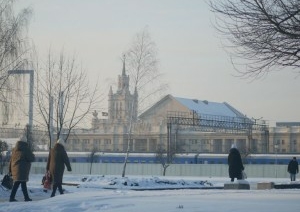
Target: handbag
x: 7, y: 182
x: 47, y: 181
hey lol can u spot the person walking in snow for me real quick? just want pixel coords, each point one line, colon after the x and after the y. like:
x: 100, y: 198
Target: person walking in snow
x: 293, y: 168
x: 235, y: 163
x: 57, y: 160
x: 19, y: 167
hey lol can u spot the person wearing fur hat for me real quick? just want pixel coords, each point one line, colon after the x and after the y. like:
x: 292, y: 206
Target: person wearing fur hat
x: 235, y: 163
x: 56, y: 163
x: 19, y: 167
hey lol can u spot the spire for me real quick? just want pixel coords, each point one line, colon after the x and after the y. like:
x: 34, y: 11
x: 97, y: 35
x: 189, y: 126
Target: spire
x: 123, y: 71
x: 123, y: 84
x: 110, y: 91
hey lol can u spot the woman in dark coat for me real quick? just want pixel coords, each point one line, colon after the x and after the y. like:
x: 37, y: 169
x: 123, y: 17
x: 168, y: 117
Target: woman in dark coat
x: 57, y: 160
x: 293, y: 168
x: 235, y: 163
x: 19, y: 167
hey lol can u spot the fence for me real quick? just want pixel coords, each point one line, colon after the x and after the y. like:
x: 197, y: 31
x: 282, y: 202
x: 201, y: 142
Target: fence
x: 201, y: 170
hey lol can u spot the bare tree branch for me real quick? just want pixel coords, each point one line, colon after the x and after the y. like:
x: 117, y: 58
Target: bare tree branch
x: 142, y: 65
x: 263, y: 35
x: 14, y: 47
x: 62, y: 87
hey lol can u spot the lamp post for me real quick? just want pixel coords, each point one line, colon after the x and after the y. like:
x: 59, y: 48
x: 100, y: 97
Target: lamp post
x: 276, y: 152
x: 31, y: 83
x: 169, y: 129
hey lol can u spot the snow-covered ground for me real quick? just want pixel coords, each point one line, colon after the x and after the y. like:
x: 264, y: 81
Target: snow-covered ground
x: 148, y: 194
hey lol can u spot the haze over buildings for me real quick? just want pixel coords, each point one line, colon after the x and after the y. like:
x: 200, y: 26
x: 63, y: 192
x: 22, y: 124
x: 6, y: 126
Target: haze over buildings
x: 190, y: 51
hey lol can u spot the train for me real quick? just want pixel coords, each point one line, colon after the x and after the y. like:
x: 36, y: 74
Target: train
x: 150, y: 158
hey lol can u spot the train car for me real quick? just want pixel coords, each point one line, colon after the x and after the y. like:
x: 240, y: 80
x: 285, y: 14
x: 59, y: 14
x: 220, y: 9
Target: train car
x: 102, y: 157
x: 205, y: 158
x: 222, y: 158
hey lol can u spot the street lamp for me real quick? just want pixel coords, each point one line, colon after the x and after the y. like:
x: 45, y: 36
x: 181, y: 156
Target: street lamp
x: 31, y: 83
x: 276, y: 152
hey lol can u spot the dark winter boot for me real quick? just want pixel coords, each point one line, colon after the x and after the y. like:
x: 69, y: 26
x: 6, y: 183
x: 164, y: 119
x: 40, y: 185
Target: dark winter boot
x: 54, y: 190
x: 25, y: 192
x: 14, y: 191
x: 60, y: 188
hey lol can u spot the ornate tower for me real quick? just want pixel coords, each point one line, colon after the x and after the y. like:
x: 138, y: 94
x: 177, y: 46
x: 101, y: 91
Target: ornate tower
x: 122, y: 105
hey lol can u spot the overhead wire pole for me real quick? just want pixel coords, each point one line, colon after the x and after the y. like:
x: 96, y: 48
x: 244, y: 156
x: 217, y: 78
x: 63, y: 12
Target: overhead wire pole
x: 31, y: 86
x: 213, y: 123
x: 169, y: 128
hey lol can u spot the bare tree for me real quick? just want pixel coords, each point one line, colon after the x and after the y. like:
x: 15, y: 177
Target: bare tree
x: 142, y: 65
x: 63, y: 95
x: 3, y: 158
x: 165, y: 157
x: 263, y: 34
x: 93, y: 157
x: 14, y: 47
x: 245, y: 154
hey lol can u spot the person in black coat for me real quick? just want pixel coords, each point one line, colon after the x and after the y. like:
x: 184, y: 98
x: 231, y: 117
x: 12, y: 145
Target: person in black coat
x: 57, y: 161
x: 293, y: 168
x: 235, y: 164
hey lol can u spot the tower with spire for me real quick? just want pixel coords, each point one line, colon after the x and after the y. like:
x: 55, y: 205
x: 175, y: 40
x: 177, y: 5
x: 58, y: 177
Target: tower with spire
x: 122, y: 105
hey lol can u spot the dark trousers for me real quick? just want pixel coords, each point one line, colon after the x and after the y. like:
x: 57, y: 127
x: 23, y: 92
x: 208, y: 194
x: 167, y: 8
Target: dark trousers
x: 55, y: 187
x: 293, y: 177
x: 15, y: 188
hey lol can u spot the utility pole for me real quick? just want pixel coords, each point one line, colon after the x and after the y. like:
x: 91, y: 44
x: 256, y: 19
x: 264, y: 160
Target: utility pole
x: 31, y: 86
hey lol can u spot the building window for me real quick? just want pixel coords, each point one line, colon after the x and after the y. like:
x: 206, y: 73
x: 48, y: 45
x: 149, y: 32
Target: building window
x: 97, y: 141
x: 86, y: 141
x: 107, y: 141
x: 75, y: 141
x: 141, y: 145
x: 193, y: 141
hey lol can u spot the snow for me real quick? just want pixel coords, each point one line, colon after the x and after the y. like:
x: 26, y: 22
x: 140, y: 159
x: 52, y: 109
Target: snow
x: 208, y: 108
x: 151, y: 193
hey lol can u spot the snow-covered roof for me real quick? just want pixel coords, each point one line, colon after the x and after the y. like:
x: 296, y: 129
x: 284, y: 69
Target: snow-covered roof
x: 210, y: 108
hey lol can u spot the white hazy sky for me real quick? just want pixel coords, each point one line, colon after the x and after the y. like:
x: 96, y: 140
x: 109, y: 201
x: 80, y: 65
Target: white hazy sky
x: 191, y: 56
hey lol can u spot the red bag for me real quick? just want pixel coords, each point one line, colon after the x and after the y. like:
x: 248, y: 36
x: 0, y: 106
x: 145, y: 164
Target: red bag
x: 47, y: 181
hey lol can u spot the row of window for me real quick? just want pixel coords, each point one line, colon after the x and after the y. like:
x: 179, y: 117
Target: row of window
x: 278, y: 142
x: 190, y: 145
x: 191, y: 141
x: 88, y: 141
